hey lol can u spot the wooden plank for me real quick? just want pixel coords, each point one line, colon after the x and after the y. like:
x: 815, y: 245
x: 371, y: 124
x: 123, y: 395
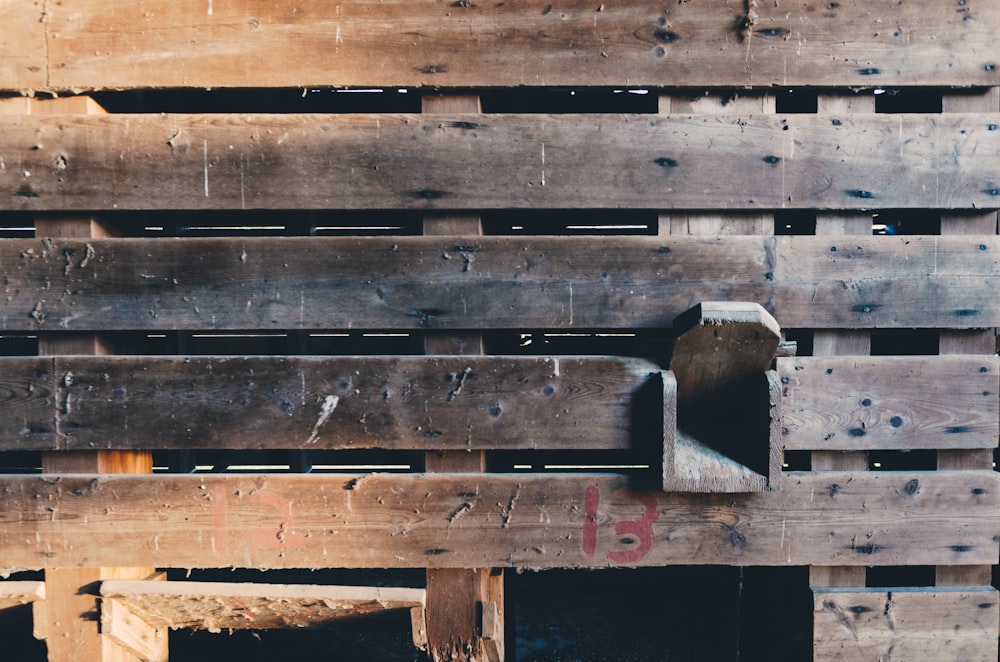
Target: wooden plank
x: 191, y: 43
x: 901, y: 403
x: 23, y: 56
x: 957, y: 623
x: 895, y: 283
x: 471, y: 520
x: 16, y: 593
x: 457, y: 403
x: 447, y: 162
x: 512, y: 282
x: 217, y: 606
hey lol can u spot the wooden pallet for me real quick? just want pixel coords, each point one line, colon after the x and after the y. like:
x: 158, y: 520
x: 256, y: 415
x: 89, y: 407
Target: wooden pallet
x: 470, y: 272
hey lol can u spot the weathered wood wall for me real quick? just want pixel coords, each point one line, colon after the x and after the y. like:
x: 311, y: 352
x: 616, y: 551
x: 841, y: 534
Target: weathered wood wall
x: 222, y: 278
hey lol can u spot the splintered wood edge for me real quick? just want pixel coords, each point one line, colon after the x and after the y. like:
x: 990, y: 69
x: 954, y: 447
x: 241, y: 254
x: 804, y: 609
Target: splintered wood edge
x: 16, y: 593
x: 228, y: 597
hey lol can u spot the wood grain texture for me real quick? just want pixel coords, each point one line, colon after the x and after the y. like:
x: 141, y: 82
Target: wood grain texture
x: 191, y: 43
x: 957, y: 623
x: 77, y: 403
x: 903, y: 403
x: 132, y: 633
x: 493, y: 282
x: 474, y: 520
x: 452, y: 162
x: 23, y: 57
x: 217, y: 606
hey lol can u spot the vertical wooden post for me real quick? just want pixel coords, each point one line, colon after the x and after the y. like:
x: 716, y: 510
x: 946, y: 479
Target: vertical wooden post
x: 840, y: 343
x: 979, y: 341
x: 460, y: 601
x: 71, y: 611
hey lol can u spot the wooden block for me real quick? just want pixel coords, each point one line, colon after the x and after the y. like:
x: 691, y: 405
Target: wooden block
x: 718, y: 344
x: 542, y: 521
x: 512, y: 282
x: 445, y: 162
x: 217, y: 606
x: 957, y: 623
x: 132, y: 633
x: 96, y: 45
x: 890, y: 403
x: 441, y: 402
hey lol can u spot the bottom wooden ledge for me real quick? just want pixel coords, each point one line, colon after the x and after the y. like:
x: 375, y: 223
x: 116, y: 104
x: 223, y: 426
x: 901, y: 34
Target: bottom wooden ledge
x: 217, y: 606
x: 933, y: 623
x: 16, y: 593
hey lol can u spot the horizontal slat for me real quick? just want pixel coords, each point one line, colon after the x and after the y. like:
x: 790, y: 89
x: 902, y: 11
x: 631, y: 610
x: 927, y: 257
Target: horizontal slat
x: 16, y: 593
x: 943, y: 623
x: 344, y: 402
x: 219, y: 606
x: 226, y: 161
x: 861, y: 403
x: 194, y: 43
x: 494, y: 282
x: 477, y: 520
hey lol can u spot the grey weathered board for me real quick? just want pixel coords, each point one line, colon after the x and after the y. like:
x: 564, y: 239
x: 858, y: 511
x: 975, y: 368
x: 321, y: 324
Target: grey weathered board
x: 932, y: 623
x: 494, y: 282
x: 452, y: 161
x: 457, y: 403
x: 95, y: 44
x: 482, y: 520
x: 902, y: 403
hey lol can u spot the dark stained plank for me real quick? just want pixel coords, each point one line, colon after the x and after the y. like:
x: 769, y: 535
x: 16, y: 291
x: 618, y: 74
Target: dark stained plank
x: 456, y: 403
x: 858, y: 624
x: 453, y: 283
x: 863, y: 282
x: 452, y: 162
x: 475, y: 520
x: 96, y: 44
x: 902, y: 403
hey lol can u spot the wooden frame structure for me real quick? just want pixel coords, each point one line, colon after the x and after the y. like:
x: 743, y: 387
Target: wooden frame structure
x: 724, y: 179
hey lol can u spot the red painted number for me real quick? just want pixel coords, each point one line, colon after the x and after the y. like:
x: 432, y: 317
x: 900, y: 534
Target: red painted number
x: 641, y: 528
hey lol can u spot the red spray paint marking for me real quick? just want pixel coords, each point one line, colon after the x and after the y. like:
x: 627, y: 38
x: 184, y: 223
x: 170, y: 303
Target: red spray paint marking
x: 281, y: 535
x: 641, y: 528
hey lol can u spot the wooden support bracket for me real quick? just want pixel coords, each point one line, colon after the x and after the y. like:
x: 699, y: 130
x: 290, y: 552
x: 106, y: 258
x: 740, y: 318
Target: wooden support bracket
x: 721, y: 420
x: 132, y: 632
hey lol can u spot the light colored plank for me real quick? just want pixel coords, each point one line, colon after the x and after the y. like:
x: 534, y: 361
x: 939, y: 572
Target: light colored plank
x: 23, y: 56
x: 906, y: 624
x: 194, y: 43
x: 513, y: 282
x: 902, y: 403
x: 446, y: 162
x: 457, y: 403
x: 15, y: 593
x: 542, y: 521
x: 217, y: 606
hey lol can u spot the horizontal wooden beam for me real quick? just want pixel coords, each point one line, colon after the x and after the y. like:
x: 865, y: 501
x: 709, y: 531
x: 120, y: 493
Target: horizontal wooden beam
x: 190, y: 43
x: 15, y: 593
x: 439, y: 403
x: 494, y: 282
x: 934, y: 623
x: 902, y: 403
x: 481, y: 520
x: 217, y: 606
x: 449, y: 162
